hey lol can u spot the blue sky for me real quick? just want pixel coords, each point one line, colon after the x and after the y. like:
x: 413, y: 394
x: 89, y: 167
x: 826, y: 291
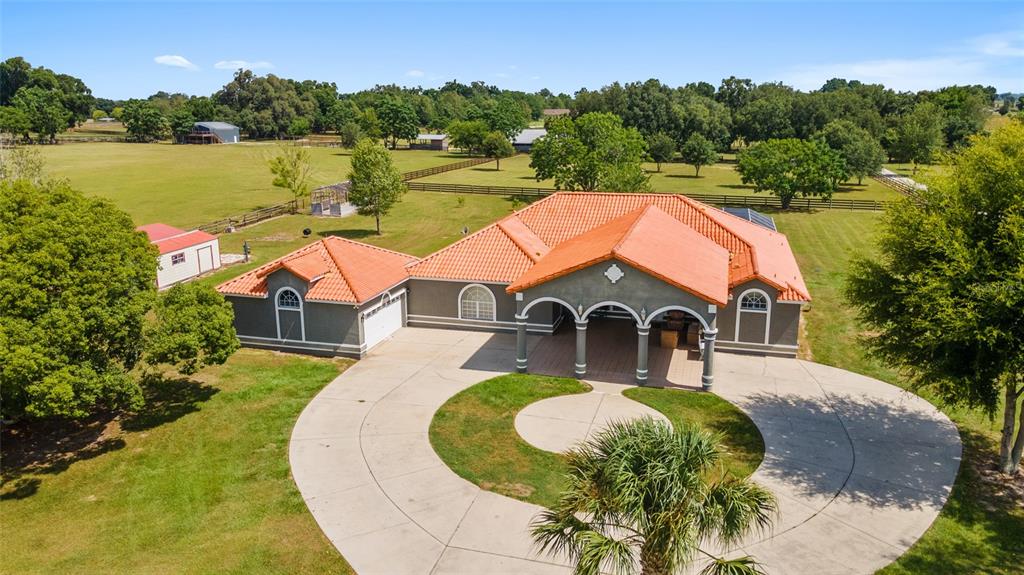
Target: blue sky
x: 123, y: 49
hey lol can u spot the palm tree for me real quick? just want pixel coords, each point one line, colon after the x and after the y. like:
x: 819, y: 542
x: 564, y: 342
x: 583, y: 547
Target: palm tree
x: 643, y: 498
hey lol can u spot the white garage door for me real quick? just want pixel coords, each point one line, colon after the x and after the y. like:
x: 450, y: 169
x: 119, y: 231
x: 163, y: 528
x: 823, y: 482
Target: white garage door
x: 382, y: 321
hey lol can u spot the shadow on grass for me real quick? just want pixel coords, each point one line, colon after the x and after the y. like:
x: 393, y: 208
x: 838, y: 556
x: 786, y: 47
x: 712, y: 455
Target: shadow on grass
x: 349, y: 234
x: 34, y: 448
x: 168, y: 399
x: 685, y: 176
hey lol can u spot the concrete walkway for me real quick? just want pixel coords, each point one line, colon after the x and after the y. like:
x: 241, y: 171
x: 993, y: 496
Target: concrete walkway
x: 861, y: 468
x: 558, y: 423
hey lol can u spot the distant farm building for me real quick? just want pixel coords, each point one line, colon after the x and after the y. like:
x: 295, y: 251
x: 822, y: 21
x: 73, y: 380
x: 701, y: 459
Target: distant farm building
x: 524, y: 141
x: 183, y: 255
x: 213, y: 133
x: 430, y: 142
x: 554, y: 112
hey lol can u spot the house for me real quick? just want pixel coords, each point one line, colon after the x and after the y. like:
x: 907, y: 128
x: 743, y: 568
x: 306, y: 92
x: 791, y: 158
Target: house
x: 523, y: 142
x: 183, y: 255
x: 430, y: 142
x: 663, y: 262
x: 213, y: 133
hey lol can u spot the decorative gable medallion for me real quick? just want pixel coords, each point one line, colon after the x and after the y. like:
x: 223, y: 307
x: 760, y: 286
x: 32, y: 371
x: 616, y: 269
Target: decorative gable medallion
x: 613, y: 273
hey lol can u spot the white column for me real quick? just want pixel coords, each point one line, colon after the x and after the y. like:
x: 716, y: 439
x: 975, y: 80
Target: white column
x: 707, y: 379
x: 581, y: 349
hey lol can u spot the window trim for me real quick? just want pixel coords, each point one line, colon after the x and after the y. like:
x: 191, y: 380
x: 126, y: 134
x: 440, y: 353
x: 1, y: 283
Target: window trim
x: 766, y: 312
x: 174, y: 256
x: 494, y: 303
x: 278, y: 308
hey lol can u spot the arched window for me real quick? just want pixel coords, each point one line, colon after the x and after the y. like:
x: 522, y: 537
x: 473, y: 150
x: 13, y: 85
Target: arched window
x: 288, y: 299
x: 754, y: 301
x: 476, y: 302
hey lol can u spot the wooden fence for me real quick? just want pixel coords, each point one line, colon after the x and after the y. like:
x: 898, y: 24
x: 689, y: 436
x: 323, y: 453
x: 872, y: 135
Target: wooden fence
x: 762, y: 201
x: 901, y: 184
x: 416, y: 174
x: 255, y: 216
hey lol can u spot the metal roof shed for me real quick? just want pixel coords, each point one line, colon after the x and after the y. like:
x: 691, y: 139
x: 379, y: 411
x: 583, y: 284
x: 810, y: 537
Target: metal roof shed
x: 214, y: 133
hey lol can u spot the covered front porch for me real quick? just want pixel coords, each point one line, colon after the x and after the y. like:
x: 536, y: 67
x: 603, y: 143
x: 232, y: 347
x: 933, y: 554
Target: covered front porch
x: 611, y: 349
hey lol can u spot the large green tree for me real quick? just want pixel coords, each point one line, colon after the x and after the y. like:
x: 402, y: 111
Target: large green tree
x: 643, y: 497
x: 861, y: 152
x: 944, y: 297
x: 144, y: 122
x: 497, y: 146
x: 699, y: 151
x: 375, y: 183
x: 467, y: 135
x: 661, y: 148
x: 77, y: 285
x: 592, y: 152
x: 44, y: 111
x: 919, y: 135
x: 193, y: 327
x: 14, y: 121
x: 507, y: 116
x: 790, y: 168
x: 397, y: 121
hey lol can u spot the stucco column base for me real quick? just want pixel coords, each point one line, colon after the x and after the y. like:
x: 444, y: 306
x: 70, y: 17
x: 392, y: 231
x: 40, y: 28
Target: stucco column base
x: 707, y: 379
x: 641, y: 354
x: 581, y: 349
x: 521, y: 361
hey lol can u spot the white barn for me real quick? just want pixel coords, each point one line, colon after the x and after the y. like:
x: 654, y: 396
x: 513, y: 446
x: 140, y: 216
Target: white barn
x: 183, y: 255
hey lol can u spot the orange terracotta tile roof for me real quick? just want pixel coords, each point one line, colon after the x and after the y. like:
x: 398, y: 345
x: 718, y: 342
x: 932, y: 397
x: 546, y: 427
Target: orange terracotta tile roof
x: 502, y: 252
x: 171, y: 239
x: 337, y: 269
x: 646, y: 238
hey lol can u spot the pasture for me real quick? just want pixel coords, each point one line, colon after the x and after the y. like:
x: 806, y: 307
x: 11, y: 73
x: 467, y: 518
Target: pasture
x: 675, y: 177
x: 186, y: 186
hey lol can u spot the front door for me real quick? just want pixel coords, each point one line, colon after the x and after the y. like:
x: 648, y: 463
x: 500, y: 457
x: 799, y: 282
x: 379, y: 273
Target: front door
x: 205, y: 259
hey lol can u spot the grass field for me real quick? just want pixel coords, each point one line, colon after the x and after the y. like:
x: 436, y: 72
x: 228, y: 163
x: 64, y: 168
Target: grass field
x: 719, y: 179
x: 418, y: 225
x: 981, y: 528
x: 474, y: 433
x: 191, y: 185
x: 198, y: 482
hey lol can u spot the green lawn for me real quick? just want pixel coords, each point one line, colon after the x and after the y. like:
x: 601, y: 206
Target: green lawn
x: 474, y: 433
x: 198, y: 482
x: 719, y: 179
x: 420, y: 224
x: 192, y: 185
x: 981, y: 528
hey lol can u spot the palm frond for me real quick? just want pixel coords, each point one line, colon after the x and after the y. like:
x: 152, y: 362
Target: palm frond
x: 740, y: 566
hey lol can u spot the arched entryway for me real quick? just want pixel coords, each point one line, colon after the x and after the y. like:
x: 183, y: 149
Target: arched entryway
x: 611, y: 341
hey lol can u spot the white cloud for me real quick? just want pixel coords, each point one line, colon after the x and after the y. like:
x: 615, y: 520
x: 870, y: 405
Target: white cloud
x: 244, y: 64
x: 1008, y: 44
x: 175, y: 61
x: 500, y: 75
x: 415, y: 73
x: 986, y: 60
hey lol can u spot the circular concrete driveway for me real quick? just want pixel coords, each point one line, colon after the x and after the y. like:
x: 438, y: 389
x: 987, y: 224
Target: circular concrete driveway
x: 861, y: 468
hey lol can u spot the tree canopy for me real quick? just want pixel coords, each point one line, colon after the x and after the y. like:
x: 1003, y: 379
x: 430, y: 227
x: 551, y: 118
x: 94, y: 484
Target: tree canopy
x: 497, y: 146
x: 790, y: 168
x: 944, y: 296
x: 661, y: 148
x: 291, y: 169
x: 375, y: 183
x: 861, y: 152
x: 77, y: 283
x: 592, y: 152
x: 144, y: 121
x: 699, y: 151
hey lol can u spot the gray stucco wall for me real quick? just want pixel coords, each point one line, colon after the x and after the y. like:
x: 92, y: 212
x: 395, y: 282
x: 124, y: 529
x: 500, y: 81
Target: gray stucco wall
x: 636, y: 289
x: 336, y: 325
x: 436, y: 303
x: 785, y: 320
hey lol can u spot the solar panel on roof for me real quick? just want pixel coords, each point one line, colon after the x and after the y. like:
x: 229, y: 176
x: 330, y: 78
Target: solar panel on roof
x: 753, y: 217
